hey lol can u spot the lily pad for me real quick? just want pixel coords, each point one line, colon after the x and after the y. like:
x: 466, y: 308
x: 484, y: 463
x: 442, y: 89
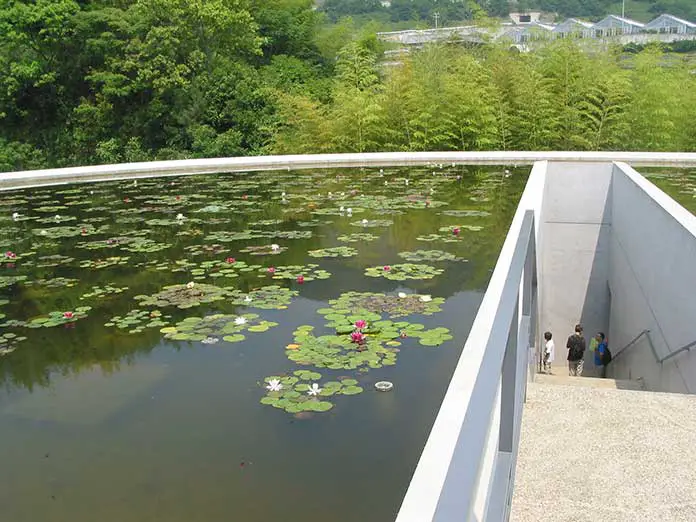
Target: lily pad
x: 264, y: 250
x: 229, y: 327
x: 428, y: 255
x: 309, y: 272
x: 358, y: 237
x: 341, y: 251
x: 272, y: 297
x: 183, y: 296
x: 136, y: 321
x: 404, y: 271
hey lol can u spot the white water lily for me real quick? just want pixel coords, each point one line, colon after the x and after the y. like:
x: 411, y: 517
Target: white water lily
x: 210, y: 340
x: 426, y: 298
x: 135, y: 183
x: 57, y: 217
x: 349, y: 211
x: 314, y: 389
x: 365, y: 222
x: 402, y: 294
x: 43, y: 232
x: 180, y: 217
x: 282, y: 195
x: 274, y: 385
x: 15, y: 215
x: 190, y: 285
x: 240, y: 321
x: 406, y: 182
x: 247, y: 299
x: 275, y: 247
x: 341, y: 209
x: 386, y: 183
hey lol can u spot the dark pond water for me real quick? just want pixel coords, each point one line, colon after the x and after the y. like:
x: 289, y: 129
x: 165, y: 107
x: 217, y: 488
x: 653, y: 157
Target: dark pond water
x: 123, y: 400
x: 678, y: 183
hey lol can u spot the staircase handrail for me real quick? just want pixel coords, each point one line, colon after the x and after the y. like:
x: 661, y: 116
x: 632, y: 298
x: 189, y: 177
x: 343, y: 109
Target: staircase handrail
x: 660, y: 360
x: 634, y: 341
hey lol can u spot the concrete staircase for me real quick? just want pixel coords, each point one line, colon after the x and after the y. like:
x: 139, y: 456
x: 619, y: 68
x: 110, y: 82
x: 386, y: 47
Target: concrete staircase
x: 605, y: 450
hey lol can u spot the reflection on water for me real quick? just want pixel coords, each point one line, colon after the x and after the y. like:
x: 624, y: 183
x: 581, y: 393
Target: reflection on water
x: 99, y: 424
x: 680, y: 184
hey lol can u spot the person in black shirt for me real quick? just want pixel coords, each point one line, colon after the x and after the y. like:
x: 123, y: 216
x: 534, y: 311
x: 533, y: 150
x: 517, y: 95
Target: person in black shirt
x: 576, y: 350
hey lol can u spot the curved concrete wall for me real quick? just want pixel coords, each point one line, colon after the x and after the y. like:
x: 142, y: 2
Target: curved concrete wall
x: 37, y: 178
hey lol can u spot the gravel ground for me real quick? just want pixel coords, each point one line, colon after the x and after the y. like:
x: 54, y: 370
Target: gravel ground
x: 609, y: 455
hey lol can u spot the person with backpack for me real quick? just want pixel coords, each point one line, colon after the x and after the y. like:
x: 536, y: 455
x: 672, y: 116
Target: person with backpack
x: 576, y: 350
x: 602, y: 355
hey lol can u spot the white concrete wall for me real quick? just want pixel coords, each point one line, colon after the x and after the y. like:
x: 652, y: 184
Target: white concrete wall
x: 653, y: 283
x: 574, y: 251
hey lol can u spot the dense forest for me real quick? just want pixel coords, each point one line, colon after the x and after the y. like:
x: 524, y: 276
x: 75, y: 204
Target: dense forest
x: 128, y: 80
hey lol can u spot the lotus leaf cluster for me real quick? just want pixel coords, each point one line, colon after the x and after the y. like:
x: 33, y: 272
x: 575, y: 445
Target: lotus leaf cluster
x: 417, y: 256
x: 342, y: 251
x: 57, y: 282
x: 57, y: 318
x: 98, y: 264
x: 373, y: 223
x: 338, y: 352
x: 136, y: 321
x: 359, y: 303
x: 272, y: 297
x: 465, y: 213
x: 9, y: 342
x: 308, y: 272
x: 99, y: 292
x: 6, y: 281
x: 183, y: 296
x: 264, y: 250
x: 199, y: 250
x: 451, y: 228
x: 144, y: 245
x: 228, y: 327
x: 359, y: 237
x: 302, y: 392
x: 404, y: 271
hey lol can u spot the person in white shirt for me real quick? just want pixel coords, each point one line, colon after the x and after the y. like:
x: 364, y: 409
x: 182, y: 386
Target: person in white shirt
x: 549, y: 349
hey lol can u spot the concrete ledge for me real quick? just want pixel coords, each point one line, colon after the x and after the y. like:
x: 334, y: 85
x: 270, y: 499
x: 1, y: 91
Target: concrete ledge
x: 13, y: 180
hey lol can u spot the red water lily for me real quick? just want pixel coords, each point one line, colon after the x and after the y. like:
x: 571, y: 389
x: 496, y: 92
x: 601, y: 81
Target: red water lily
x: 245, y: 196
x: 126, y: 200
x: 68, y: 315
x: 357, y: 337
x: 387, y: 268
x: 360, y: 324
x: 84, y: 232
x: 10, y: 255
x: 231, y: 260
x: 456, y: 231
x: 300, y: 279
x: 271, y: 270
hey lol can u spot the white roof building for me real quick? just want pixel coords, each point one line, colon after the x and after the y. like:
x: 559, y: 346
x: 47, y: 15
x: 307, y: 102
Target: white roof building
x: 573, y: 26
x: 667, y: 23
x: 613, y: 25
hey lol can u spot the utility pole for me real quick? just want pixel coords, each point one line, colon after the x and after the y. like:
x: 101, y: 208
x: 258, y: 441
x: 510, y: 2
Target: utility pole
x: 436, y: 15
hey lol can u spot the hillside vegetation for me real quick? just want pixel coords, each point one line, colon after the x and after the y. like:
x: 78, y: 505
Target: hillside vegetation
x: 107, y: 81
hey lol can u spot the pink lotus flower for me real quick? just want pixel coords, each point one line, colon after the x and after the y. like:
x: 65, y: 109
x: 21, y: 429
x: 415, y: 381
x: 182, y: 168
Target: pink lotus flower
x: 231, y: 260
x: 10, y: 255
x: 387, y: 268
x: 357, y: 337
x: 456, y: 231
x: 68, y: 315
x: 300, y: 279
x: 271, y: 270
x: 360, y: 324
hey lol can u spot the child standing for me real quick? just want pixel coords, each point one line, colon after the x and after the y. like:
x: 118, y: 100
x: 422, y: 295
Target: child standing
x: 549, y: 349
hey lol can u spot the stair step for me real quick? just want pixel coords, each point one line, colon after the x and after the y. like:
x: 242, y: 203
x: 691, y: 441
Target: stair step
x: 589, y: 382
